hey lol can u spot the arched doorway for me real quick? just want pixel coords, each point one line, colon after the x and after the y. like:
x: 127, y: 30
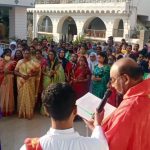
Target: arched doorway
x: 118, y: 29
x: 95, y: 27
x: 45, y: 25
x: 68, y: 29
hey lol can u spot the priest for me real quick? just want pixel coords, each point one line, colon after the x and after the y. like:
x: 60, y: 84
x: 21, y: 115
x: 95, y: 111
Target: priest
x: 128, y: 128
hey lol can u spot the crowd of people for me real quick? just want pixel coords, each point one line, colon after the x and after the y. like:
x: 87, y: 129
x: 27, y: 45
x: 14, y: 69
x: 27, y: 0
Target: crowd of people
x: 126, y: 128
x: 27, y: 70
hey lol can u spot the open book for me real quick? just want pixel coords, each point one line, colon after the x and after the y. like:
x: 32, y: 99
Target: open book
x: 87, y: 105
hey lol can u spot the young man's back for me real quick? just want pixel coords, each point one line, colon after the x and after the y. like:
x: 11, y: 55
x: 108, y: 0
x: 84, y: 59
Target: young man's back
x: 59, y: 101
x: 70, y: 140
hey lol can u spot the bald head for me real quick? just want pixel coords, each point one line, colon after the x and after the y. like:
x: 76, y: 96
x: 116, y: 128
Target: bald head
x: 125, y: 62
x: 127, y: 66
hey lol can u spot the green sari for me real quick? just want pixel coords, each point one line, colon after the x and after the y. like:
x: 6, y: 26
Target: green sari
x: 146, y: 76
x: 59, y: 76
x: 99, y: 87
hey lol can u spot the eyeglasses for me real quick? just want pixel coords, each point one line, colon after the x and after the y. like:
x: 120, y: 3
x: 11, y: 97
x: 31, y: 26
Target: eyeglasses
x: 113, y: 80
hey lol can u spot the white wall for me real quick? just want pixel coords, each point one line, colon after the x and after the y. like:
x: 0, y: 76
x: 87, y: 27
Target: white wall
x: 18, y: 22
x: 143, y: 7
x: 24, y: 3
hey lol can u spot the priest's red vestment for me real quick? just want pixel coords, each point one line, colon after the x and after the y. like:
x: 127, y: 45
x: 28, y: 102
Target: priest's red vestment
x: 128, y: 128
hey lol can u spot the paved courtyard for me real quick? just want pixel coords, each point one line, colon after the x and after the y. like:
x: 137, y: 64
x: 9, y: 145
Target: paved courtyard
x: 13, y: 131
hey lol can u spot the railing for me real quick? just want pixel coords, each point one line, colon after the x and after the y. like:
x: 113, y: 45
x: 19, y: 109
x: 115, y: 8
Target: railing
x: 95, y: 33
x: 77, y: 1
x: 134, y: 34
x: 118, y: 32
x: 45, y: 29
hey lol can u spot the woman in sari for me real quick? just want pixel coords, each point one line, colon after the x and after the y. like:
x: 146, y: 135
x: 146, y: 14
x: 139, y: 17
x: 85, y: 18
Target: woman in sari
x: 100, y: 75
x: 62, y: 59
x: 7, y: 67
x: 27, y: 72
x: 2, y: 64
x: 18, y: 56
x: 43, y: 62
x: 70, y: 67
x: 53, y: 71
x: 81, y: 78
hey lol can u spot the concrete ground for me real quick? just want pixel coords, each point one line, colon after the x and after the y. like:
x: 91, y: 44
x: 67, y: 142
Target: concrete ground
x: 13, y: 131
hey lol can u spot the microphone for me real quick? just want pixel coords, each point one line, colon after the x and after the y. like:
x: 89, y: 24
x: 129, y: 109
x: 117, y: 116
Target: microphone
x: 104, y: 100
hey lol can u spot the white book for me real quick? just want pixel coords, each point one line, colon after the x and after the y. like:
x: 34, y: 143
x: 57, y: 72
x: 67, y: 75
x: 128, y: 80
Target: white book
x: 87, y: 105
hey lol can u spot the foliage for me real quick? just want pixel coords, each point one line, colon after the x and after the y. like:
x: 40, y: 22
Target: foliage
x: 48, y: 37
x: 79, y: 39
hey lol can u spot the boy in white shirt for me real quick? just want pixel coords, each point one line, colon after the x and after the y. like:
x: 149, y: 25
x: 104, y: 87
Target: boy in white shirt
x: 59, y: 101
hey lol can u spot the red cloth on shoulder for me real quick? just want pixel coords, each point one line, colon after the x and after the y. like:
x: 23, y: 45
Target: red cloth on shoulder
x: 33, y: 144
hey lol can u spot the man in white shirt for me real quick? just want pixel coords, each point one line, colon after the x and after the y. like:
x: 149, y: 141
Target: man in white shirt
x: 59, y: 101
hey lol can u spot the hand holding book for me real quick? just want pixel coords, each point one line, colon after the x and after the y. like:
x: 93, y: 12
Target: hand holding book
x: 87, y: 105
x: 96, y: 121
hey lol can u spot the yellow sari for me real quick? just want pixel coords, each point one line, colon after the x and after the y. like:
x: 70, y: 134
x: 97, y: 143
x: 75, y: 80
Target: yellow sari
x: 27, y: 89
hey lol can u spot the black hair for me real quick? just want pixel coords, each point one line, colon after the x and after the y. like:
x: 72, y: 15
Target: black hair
x: 50, y: 65
x: 130, y: 46
x: 119, y: 57
x: 123, y: 40
x: 132, y: 56
x: 134, y: 72
x: 44, y: 39
x: 54, y: 52
x: 104, y: 55
x: 39, y: 51
x: 5, y: 51
x: 109, y: 49
x: 18, y: 41
x: 137, y: 45
x: 24, y: 41
x: 75, y: 54
x: 15, y: 57
x: 35, y: 39
x: 59, y: 101
x: 32, y: 47
x: 26, y: 49
x: 24, y: 45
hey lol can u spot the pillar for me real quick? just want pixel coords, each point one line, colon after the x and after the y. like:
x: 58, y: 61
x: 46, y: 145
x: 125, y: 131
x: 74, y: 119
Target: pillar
x: 35, y: 24
x: 109, y: 23
x: 18, y: 22
x: 56, y: 36
x: 126, y: 29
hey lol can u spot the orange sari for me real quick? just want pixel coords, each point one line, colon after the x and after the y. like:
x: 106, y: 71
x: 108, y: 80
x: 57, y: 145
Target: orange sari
x: 6, y: 89
x: 2, y: 64
x: 27, y: 89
